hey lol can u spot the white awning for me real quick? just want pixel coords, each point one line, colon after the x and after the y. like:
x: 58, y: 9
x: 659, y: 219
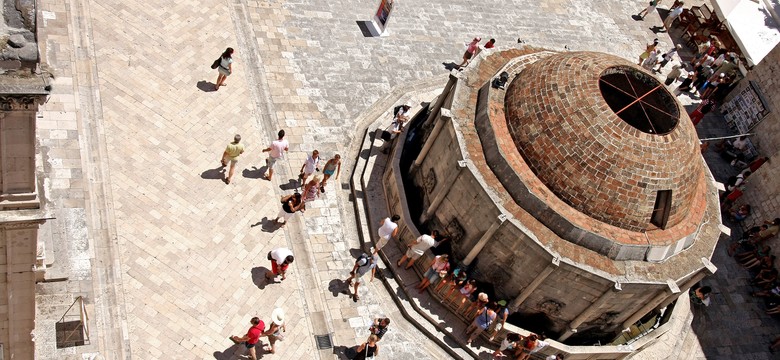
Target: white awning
x: 752, y: 23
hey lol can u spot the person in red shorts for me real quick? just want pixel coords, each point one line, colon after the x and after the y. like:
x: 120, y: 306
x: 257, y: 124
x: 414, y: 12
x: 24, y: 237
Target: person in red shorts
x: 280, y: 258
x: 252, y: 337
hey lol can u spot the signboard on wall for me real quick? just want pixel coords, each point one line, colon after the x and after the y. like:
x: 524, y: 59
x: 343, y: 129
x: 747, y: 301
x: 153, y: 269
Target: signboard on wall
x: 382, y: 16
x: 747, y: 109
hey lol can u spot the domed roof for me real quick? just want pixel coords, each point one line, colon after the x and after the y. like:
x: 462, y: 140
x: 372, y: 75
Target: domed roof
x: 606, y: 138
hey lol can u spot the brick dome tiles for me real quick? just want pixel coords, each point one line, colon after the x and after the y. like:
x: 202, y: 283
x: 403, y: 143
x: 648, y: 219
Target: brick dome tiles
x: 588, y: 156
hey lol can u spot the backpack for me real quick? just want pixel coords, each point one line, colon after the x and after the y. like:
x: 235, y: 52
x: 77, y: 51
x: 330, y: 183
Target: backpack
x: 216, y: 63
x: 364, y: 258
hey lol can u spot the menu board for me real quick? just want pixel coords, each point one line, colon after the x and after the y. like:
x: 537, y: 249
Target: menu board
x: 746, y: 110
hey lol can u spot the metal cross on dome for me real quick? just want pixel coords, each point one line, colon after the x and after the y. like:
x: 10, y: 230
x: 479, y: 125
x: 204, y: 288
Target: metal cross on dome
x: 637, y: 90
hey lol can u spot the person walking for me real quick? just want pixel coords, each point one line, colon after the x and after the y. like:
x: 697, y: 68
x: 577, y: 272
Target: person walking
x: 274, y: 331
x: 667, y: 56
x: 277, y: 149
x: 312, y: 190
x: 251, y: 338
x: 368, y: 349
x: 290, y: 205
x: 649, y: 9
x: 673, y: 75
x: 281, y: 258
x: 311, y: 165
x: 379, y: 327
x: 331, y: 167
x: 471, y: 50
x: 388, y: 228
x: 231, y: 153
x: 363, y: 265
x: 673, y: 14
x: 482, y: 322
x: 417, y: 249
x: 705, y: 107
x: 651, y: 60
x: 648, y: 49
x: 225, y: 67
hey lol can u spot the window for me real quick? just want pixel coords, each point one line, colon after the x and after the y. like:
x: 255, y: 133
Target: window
x: 662, y: 208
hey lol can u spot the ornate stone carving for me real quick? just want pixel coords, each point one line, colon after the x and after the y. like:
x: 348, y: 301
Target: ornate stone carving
x: 429, y: 182
x: 551, y: 307
x: 20, y: 102
x: 455, y: 231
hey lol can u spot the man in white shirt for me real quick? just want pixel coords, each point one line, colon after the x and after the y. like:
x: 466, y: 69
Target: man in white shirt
x: 311, y: 165
x: 280, y: 258
x: 278, y: 148
x: 388, y: 229
x: 418, y: 248
x: 673, y: 15
x: 399, y: 120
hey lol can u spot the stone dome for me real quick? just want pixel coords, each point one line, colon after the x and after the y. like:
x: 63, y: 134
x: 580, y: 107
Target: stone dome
x: 606, y: 138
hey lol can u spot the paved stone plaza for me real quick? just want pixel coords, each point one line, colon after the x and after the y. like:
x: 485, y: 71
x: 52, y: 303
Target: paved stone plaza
x: 169, y: 257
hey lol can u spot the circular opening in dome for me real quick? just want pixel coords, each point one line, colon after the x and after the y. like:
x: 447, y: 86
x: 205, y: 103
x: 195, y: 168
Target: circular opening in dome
x: 639, y: 99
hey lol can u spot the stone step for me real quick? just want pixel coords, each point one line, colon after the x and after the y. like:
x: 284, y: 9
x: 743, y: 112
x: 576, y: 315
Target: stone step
x: 370, y: 163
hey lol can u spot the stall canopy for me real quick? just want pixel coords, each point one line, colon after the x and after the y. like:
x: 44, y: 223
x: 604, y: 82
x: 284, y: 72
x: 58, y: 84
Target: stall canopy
x: 752, y: 23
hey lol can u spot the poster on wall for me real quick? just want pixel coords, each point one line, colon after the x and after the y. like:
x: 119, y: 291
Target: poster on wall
x: 382, y: 15
x: 747, y: 109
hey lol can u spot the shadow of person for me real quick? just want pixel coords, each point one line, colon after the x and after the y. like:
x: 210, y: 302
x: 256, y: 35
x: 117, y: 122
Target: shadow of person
x: 291, y: 184
x: 338, y: 286
x: 206, y: 86
x: 267, y: 225
x: 227, y: 354
x: 258, y: 277
x: 254, y: 173
x: 657, y: 29
x: 355, y: 253
x: 214, y: 174
x: 345, y: 352
x: 449, y: 66
x: 637, y: 17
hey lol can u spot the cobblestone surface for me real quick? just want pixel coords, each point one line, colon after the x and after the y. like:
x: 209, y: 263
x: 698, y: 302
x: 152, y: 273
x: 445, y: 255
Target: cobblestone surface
x: 191, y: 250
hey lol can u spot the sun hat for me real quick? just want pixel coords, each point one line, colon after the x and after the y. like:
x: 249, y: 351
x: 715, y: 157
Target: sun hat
x: 482, y: 297
x: 501, y: 302
x: 278, y: 316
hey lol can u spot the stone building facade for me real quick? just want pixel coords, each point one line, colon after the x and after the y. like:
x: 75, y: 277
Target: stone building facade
x: 22, y: 258
x: 558, y: 193
x: 763, y: 190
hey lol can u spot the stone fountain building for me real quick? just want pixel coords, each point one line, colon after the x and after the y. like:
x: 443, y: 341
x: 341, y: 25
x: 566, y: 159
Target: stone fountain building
x: 22, y: 259
x: 579, y: 192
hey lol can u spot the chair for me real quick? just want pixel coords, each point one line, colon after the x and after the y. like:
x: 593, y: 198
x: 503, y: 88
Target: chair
x: 686, y: 18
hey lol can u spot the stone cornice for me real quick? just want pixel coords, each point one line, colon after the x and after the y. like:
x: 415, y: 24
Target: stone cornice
x: 21, y: 102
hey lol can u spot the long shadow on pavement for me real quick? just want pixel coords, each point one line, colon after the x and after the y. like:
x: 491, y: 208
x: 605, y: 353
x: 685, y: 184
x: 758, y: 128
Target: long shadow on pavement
x: 258, y: 277
x: 254, y: 173
x: 214, y: 174
x: 267, y: 225
x: 206, y: 86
